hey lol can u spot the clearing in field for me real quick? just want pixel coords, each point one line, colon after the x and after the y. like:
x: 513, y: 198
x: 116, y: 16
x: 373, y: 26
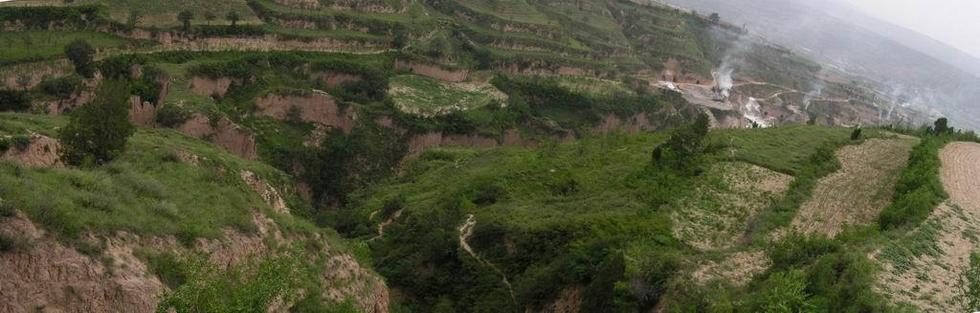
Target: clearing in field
x: 428, y: 97
x: 859, y: 190
x: 723, y: 204
x: 926, y: 267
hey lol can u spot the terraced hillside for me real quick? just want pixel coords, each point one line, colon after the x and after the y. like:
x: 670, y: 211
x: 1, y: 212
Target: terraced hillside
x: 455, y: 156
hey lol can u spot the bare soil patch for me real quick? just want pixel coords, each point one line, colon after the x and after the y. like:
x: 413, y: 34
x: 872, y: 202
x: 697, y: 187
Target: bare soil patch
x: 855, y: 194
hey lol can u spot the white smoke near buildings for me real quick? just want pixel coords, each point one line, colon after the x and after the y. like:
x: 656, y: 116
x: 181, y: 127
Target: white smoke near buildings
x: 724, y: 80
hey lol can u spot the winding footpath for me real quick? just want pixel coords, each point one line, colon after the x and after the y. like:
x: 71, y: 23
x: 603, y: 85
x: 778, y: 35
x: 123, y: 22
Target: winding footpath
x: 465, y: 231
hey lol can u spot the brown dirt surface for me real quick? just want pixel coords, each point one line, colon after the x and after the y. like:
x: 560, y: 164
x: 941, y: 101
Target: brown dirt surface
x: 737, y: 268
x: 859, y: 190
x: 729, y: 195
x: 926, y: 267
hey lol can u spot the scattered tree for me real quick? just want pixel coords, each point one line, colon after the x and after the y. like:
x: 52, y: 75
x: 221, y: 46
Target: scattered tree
x: 185, y: 18
x: 233, y: 17
x: 714, y: 18
x: 209, y: 16
x: 81, y: 54
x: 97, y: 132
x: 856, y: 134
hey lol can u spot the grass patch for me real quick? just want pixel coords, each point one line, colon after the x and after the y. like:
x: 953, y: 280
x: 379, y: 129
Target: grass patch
x: 29, y: 46
x: 145, y: 191
x: 426, y: 96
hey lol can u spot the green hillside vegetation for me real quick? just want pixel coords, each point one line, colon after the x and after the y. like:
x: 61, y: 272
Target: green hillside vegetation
x: 42, y: 45
x: 147, y: 191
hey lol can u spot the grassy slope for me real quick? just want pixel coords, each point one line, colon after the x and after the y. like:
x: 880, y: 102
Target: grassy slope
x: 530, y: 208
x: 40, y: 45
x: 148, y: 191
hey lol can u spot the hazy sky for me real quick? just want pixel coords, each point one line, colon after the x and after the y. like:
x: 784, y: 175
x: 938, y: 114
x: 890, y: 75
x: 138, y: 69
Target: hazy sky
x: 955, y: 22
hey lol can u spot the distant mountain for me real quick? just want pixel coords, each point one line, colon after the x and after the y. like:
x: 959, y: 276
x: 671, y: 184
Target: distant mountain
x: 929, y: 73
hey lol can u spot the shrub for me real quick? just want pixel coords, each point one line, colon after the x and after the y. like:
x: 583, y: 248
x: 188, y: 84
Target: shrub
x: 63, y: 87
x: 97, y: 132
x: 172, y: 115
x: 21, y: 142
x: 81, y: 54
x: 14, y: 100
x: 856, y: 134
x: 919, y: 189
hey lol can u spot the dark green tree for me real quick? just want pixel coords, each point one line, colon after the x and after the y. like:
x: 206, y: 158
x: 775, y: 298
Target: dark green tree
x: 233, y: 18
x: 14, y: 100
x: 856, y: 134
x: 81, y: 54
x: 185, y: 18
x: 209, y: 16
x: 941, y: 126
x: 714, y: 18
x: 684, y: 147
x: 97, y: 132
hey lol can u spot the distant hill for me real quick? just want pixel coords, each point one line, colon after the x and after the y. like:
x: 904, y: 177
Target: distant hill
x: 922, y: 69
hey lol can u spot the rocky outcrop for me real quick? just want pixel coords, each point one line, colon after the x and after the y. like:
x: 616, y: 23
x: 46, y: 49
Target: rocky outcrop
x: 268, y: 193
x: 42, y: 151
x: 224, y: 133
x: 42, y: 275
x: 317, y: 107
x: 433, y: 71
x: 141, y: 113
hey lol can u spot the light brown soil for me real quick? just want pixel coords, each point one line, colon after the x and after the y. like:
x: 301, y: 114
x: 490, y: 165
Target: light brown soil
x: 43, y: 151
x: 932, y: 281
x: 737, y: 269
x: 859, y: 190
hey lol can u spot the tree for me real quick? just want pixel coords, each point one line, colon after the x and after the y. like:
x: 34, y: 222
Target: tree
x: 134, y: 18
x: 97, y: 132
x: 14, y: 100
x: 81, y: 54
x: 941, y: 126
x: 684, y: 148
x: 233, y: 17
x: 209, y: 16
x: 856, y: 134
x: 714, y: 18
x: 185, y: 18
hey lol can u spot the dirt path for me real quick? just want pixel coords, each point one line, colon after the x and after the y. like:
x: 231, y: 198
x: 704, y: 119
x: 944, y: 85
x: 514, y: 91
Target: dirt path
x: 859, y: 190
x: 926, y: 267
x: 381, y: 227
x: 465, y: 231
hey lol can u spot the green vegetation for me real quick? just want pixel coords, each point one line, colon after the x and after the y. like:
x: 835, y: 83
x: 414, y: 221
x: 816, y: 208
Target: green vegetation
x: 426, y: 96
x: 81, y: 54
x: 147, y: 190
x: 14, y: 100
x: 30, y: 46
x: 97, y: 133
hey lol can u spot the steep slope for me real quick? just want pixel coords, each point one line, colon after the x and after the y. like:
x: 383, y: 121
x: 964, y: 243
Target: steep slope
x: 170, y: 220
